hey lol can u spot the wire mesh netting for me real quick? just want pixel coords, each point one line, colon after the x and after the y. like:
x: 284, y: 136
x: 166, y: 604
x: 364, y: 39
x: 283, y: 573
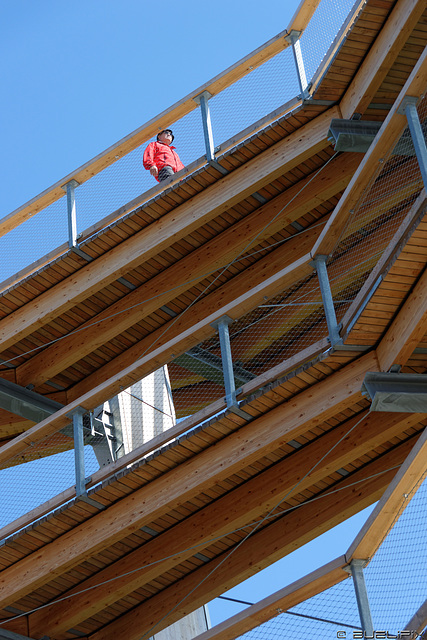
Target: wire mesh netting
x: 261, y: 339
x: 263, y: 90
x: 386, y: 203
x: 46, y: 467
x: 322, y: 616
x: 396, y: 577
x: 396, y: 581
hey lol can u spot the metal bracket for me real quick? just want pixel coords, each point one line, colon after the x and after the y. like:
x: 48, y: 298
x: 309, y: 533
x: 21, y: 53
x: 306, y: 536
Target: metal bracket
x: 203, y: 100
x: 319, y: 263
x: 293, y: 38
x: 410, y: 109
x: 69, y: 188
x: 227, y: 364
x: 79, y: 458
x: 356, y: 569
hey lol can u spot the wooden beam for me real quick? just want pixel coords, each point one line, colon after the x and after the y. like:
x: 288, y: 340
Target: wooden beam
x: 213, y: 201
x: 212, y: 255
x: 244, y: 504
x: 310, y: 585
x: 164, y: 119
x: 372, y: 163
x: 264, y: 547
x: 310, y: 407
x: 184, y: 425
x: 407, y: 330
x: 393, y: 501
x: 381, y: 57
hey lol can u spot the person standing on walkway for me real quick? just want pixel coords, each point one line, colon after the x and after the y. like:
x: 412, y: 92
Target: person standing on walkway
x: 160, y: 157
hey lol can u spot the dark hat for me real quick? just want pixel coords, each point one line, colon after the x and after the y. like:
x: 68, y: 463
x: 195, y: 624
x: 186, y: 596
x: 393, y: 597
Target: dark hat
x: 166, y: 131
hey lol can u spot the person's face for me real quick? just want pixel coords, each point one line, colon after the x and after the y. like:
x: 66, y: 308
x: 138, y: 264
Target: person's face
x: 165, y: 137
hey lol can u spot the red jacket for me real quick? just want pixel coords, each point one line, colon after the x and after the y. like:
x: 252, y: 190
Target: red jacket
x: 161, y: 155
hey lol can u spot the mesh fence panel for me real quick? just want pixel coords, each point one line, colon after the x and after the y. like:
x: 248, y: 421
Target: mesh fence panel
x: 383, y: 207
x: 40, y: 472
x: 396, y: 577
x: 321, y: 31
x: 396, y: 580
x: 34, y: 238
x: 252, y: 97
x: 319, y: 617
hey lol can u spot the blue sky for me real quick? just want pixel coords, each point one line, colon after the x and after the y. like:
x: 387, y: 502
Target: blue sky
x: 79, y: 76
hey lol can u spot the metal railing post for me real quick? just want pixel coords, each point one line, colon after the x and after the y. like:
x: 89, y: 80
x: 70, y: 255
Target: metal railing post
x: 409, y: 108
x: 293, y: 39
x: 79, y: 458
x: 203, y: 100
x: 227, y: 363
x: 356, y: 569
x: 319, y: 264
x: 69, y: 188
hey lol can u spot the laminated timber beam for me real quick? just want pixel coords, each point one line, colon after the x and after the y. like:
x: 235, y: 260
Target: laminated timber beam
x: 407, y: 330
x: 214, y: 254
x: 264, y: 547
x: 157, y: 358
x: 310, y: 407
x: 242, y: 505
x: 372, y: 163
x: 272, y: 47
x: 310, y: 585
x: 216, y: 199
x: 381, y: 56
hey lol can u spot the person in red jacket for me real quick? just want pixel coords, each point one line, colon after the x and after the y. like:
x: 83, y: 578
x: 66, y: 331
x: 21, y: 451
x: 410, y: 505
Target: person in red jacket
x: 160, y: 158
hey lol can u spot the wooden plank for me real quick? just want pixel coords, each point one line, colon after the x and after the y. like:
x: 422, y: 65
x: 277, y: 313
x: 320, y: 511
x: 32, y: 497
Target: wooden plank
x: 407, y: 330
x: 172, y: 114
x: 245, y: 504
x: 187, y: 480
x: 381, y: 56
x: 369, y: 538
x: 371, y: 164
x: 310, y: 585
x: 186, y: 218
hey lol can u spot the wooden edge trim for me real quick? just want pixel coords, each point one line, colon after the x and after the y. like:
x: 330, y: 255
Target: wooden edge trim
x: 418, y: 620
x: 389, y: 256
x: 192, y: 421
x: 307, y: 587
x: 372, y: 163
x: 150, y: 194
x: 371, y: 535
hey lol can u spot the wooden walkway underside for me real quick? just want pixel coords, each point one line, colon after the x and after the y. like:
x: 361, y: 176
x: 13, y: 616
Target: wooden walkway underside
x: 308, y: 454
